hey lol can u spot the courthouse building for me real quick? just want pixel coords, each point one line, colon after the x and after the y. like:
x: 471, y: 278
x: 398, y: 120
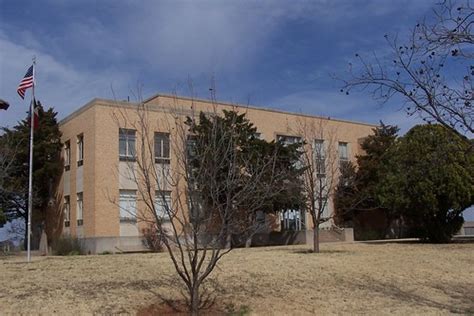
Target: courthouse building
x: 96, y: 147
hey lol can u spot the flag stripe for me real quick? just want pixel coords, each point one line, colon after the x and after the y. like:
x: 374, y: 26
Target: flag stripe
x: 26, y: 82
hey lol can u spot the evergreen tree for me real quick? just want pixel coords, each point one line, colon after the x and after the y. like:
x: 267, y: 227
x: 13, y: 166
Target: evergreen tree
x: 359, y: 189
x: 47, y: 168
x: 249, y: 153
x: 430, y: 179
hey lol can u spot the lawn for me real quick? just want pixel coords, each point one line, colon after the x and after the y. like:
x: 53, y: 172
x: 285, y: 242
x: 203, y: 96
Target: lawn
x: 344, y: 279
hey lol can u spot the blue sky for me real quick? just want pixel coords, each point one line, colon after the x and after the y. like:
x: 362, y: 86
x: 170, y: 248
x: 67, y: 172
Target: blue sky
x: 277, y: 54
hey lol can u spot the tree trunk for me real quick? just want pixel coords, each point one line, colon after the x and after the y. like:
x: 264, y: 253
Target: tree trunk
x: 43, y: 244
x: 228, y: 241
x: 195, y: 300
x: 25, y: 241
x: 316, y: 239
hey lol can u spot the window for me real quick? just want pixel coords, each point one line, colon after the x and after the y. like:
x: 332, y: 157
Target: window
x: 343, y: 155
x: 67, y: 155
x: 163, y: 204
x: 191, y: 156
x: 128, y: 205
x: 319, y: 148
x: 80, y: 209
x: 288, y: 140
x: 320, y: 157
x: 325, y: 207
x: 67, y: 211
x: 162, y: 147
x: 343, y: 151
x: 292, y: 220
x: 126, y: 144
x: 195, y: 206
x: 260, y: 217
x: 191, y: 144
x: 80, y: 150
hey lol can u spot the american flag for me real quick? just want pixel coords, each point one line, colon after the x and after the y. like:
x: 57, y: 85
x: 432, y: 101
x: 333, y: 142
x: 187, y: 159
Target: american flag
x: 26, y: 82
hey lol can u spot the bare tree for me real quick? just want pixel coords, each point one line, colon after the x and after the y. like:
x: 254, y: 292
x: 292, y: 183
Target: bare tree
x: 320, y: 164
x: 215, y: 189
x: 431, y: 69
x: 451, y: 29
x: 8, y: 153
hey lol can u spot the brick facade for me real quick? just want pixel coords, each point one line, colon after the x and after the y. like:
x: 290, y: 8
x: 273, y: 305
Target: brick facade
x: 99, y: 179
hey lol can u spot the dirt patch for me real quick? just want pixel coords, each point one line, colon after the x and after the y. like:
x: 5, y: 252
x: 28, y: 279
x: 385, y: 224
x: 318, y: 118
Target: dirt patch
x: 178, y: 308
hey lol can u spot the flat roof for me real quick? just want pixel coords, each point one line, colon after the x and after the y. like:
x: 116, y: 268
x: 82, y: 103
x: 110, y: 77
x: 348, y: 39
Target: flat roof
x: 110, y: 102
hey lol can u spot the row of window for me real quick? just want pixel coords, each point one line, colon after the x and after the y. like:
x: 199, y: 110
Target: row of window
x: 127, y: 147
x: 319, y: 151
x: 290, y: 219
x: 127, y: 206
x: 318, y: 146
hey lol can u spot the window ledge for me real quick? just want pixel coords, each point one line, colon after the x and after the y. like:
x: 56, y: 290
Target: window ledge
x: 126, y: 158
x: 163, y: 160
x: 128, y: 220
x: 80, y: 222
x: 80, y: 163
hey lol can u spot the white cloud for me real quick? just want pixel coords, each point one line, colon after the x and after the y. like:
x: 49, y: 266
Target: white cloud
x: 197, y: 37
x: 57, y: 84
x: 357, y: 107
x: 117, y: 42
x: 322, y: 102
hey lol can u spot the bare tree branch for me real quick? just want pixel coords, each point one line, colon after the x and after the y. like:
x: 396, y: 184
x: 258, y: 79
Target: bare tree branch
x: 431, y: 70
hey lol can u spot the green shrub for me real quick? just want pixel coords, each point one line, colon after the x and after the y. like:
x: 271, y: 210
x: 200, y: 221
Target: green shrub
x: 68, y: 246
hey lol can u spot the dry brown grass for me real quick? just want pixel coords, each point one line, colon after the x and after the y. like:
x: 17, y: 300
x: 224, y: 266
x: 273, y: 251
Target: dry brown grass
x: 344, y: 278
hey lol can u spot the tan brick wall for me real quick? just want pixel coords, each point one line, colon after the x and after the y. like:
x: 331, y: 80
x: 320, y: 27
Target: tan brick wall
x: 82, y: 124
x: 106, y: 185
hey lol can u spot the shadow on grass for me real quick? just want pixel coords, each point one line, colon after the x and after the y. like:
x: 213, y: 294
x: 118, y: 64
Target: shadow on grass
x: 461, y: 296
x: 416, y: 241
x: 209, y: 293
x: 321, y: 252
x: 390, y: 241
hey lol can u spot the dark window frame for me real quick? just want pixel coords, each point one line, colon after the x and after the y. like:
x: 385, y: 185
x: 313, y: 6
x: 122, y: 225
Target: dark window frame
x: 80, y: 149
x: 160, y: 139
x: 80, y: 221
x: 67, y: 155
x: 129, y: 135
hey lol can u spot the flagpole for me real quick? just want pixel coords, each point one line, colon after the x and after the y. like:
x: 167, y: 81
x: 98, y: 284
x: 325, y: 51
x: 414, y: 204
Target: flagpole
x: 30, y: 177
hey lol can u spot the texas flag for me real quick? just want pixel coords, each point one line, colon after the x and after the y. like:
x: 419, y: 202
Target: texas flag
x: 36, y: 111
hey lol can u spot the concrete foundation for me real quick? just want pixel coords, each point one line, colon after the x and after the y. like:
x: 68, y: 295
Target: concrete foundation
x: 300, y: 237
x: 97, y: 245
